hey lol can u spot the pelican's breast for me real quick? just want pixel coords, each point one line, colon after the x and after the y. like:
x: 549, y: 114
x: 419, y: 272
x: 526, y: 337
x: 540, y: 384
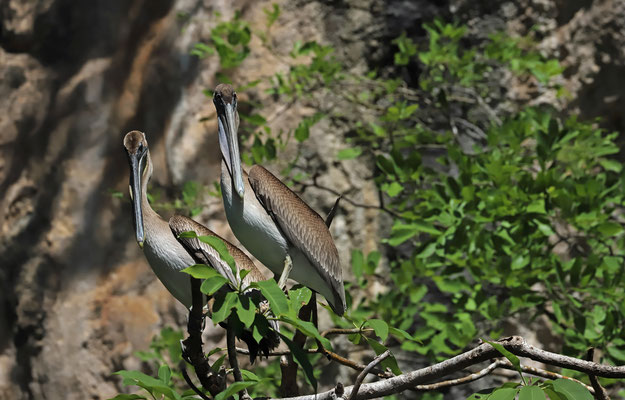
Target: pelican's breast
x: 167, y: 258
x: 252, y: 226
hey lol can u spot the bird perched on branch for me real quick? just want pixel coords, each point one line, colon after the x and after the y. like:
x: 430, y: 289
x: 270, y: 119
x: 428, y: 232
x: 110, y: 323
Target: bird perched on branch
x: 270, y: 220
x: 168, y: 254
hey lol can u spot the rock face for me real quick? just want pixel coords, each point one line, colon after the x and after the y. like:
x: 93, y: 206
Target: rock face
x: 77, y: 296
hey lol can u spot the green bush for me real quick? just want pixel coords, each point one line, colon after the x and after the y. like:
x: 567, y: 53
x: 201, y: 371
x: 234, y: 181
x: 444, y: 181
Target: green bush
x: 499, y: 211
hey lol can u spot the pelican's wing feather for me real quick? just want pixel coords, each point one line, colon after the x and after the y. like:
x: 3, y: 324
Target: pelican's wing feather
x: 302, y: 226
x: 203, y: 253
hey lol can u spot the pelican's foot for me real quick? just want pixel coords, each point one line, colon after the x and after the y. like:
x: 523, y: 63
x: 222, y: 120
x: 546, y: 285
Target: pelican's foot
x: 288, y: 266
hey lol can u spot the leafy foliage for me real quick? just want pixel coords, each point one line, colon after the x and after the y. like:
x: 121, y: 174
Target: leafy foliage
x: 497, y: 210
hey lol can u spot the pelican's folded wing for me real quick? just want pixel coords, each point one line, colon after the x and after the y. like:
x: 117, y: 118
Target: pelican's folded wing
x: 304, y: 228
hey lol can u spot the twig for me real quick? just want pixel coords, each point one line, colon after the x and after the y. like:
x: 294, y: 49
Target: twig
x: 543, y: 373
x: 232, y: 358
x: 349, y: 363
x: 187, y: 379
x: 481, y: 353
x: 465, y: 379
x: 347, y: 199
x: 339, y: 331
x: 599, y: 391
x: 329, y: 354
x: 363, y: 374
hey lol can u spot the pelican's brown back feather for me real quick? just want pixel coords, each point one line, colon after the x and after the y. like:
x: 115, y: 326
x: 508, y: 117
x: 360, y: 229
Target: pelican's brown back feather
x: 205, y: 254
x: 303, y: 227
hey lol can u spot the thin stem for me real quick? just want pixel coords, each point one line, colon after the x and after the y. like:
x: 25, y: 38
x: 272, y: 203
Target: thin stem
x: 363, y: 374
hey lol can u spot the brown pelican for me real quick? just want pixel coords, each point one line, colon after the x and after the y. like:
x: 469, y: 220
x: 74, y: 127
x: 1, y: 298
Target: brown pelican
x: 270, y: 220
x: 166, y: 253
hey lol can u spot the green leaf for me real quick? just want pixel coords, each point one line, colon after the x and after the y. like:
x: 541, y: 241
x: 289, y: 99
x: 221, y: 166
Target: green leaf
x: 152, y: 385
x: 249, y: 375
x: 380, y: 327
x: 246, y: 310
x: 608, y: 229
x: 276, y: 297
x: 393, y: 189
x: 358, y: 263
x: 164, y: 374
x: 211, y: 285
x: 298, y: 297
x: 254, y: 119
x: 128, y: 397
x: 531, y: 393
x: 537, y: 206
x: 235, y: 387
x: 511, y: 357
x: 611, y: 165
x: 481, y: 395
x: 201, y: 271
x: 504, y: 394
x: 377, y: 130
x: 138, y: 377
x: 223, y: 306
x: 302, y: 131
x: 221, y: 248
x: 553, y: 395
x: 401, y: 232
x: 218, y: 363
x: 308, y: 329
x: 301, y: 358
x: 571, y: 389
x: 390, y: 362
x: 348, y: 154
x: 402, y: 334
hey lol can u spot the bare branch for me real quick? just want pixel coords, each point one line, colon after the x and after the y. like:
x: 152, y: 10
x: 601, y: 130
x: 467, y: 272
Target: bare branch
x: 465, y: 379
x: 483, y: 352
x: 599, y: 391
x: 543, y: 373
x: 347, y: 199
x: 363, y: 374
x: 232, y: 358
x: 339, y: 331
x: 332, y: 356
x: 187, y: 379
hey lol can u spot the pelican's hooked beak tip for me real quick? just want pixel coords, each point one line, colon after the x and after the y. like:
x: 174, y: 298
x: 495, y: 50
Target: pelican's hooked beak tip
x: 140, y: 243
x: 241, y: 192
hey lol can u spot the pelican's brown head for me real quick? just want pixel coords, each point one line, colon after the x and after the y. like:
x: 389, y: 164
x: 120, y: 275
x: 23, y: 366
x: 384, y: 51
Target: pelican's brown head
x: 135, y: 142
x: 136, y: 147
x: 225, y: 100
x: 224, y: 93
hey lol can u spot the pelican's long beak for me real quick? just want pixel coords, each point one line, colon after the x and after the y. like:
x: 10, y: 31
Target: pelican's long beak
x: 230, y: 127
x: 135, y: 194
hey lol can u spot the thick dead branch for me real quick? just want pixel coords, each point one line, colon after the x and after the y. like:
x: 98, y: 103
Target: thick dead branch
x: 483, y: 352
